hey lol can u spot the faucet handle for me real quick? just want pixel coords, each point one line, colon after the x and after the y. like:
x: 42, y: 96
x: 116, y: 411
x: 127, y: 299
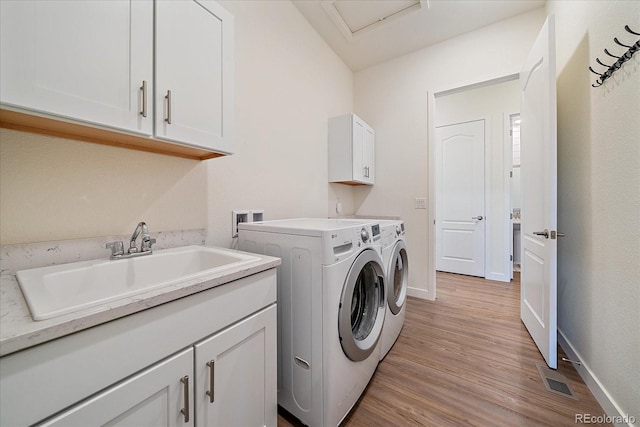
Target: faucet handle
x: 117, y: 248
x: 145, y: 245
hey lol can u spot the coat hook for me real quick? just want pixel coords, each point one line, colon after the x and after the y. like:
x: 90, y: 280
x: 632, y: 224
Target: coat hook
x: 620, y: 60
x: 609, y: 53
x: 600, y: 62
x: 615, y: 39
x: 626, y: 27
x: 593, y: 71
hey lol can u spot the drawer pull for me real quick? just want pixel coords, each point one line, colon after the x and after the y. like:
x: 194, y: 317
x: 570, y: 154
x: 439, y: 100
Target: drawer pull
x: 143, y: 88
x: 212, y: 371
x: 185, y: 411
x: 168, y: 98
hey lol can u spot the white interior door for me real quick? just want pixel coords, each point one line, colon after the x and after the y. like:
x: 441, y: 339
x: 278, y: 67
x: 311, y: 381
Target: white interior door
x: 460, y: 223
x: 538, y: 308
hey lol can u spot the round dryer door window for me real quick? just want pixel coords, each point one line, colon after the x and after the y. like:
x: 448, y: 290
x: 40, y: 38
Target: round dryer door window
x: 398, y: 279
x: 362, y: 306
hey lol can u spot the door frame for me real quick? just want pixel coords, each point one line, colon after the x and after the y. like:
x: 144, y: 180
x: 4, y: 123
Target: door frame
x: 508, y: 164
x: 431, y: 161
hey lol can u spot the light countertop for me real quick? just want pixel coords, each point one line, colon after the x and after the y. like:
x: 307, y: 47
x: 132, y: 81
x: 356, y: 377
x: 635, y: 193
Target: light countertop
x: 19, y: 331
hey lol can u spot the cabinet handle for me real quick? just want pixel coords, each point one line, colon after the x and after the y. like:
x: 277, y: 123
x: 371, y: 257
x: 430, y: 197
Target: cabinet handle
x: 366, y: 171
x: 168, y: 98
x: 185, y: 411
x: 143, y: 88
x: 212, y: 372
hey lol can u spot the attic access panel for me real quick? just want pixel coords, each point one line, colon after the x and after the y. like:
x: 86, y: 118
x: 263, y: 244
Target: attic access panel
x: 355, y: 17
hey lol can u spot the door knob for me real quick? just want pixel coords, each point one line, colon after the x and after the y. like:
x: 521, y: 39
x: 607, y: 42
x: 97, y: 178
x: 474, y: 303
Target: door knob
x: 479, y: 218
x: 544, y: 233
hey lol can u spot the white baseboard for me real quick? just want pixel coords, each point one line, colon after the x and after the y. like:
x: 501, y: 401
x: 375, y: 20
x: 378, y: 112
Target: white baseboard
x: 420, y: 293
x: 611, y: 408
x: 498, y: 277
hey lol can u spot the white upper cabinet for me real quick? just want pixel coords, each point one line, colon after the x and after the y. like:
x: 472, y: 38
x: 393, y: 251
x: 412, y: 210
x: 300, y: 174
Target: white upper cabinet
x: 78, y: 60
x: 194, y: 73
x: 351, y: 150
x: 94, y: 63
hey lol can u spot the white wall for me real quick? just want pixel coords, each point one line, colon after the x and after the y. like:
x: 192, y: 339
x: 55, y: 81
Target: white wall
x: 57, y: 189
x: 599, y: 197
x: 288, y: 82
x: 392, y: 98
x: 494, y: 102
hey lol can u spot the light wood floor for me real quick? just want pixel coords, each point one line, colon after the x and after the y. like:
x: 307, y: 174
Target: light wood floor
x: 466, y: 360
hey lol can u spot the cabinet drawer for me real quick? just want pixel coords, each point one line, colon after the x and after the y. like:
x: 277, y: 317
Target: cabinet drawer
x: 155, y: 396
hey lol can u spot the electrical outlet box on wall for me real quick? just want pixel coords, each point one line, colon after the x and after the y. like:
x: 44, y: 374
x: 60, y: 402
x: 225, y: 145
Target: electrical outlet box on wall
x: 247, y: 215
x: 256, y: 215
x: 236, y: 218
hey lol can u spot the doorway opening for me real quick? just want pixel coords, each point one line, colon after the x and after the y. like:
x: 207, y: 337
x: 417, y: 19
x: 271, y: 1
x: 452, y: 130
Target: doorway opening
x: 516, y: 196
x: 492, y: 102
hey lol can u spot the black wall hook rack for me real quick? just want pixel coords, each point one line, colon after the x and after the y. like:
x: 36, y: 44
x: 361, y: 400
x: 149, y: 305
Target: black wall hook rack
x: 619, y: 59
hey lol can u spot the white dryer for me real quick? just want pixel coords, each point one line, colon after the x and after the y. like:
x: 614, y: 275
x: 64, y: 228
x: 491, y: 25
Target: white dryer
x: 396, y: 262
x: 331, y: 307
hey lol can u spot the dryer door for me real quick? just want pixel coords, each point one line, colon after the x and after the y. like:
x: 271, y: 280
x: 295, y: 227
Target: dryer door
x: 398, y: 277
x: 362, y: 308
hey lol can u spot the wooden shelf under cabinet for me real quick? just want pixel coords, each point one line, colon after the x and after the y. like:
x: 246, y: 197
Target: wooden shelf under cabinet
x: 46, y: 126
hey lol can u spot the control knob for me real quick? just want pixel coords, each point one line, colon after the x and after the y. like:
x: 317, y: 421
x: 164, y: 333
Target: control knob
x: 364, y: 235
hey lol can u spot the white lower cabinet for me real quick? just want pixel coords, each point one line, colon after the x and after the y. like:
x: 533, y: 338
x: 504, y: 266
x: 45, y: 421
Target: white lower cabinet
x: 209, y: 359
x: 231, y: 383
x: 235, y: 378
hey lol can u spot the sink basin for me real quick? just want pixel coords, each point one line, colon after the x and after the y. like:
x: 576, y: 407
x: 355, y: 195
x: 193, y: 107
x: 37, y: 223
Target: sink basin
x: 61, y: 289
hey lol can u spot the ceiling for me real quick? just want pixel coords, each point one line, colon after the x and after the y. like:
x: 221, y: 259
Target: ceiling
x: 366, y: 32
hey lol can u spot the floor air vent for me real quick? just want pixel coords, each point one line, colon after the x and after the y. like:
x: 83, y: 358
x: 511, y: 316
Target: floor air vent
x: 555, y: 382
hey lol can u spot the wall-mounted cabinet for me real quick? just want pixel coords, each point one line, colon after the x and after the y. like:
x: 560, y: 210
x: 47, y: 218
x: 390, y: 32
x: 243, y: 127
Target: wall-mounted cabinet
x: 351, y: 151
x: 160, y: 73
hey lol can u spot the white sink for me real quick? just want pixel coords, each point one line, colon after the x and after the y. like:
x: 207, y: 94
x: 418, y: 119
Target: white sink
x: 61, y: 289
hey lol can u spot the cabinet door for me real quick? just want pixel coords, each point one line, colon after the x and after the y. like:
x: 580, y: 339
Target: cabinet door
x: 153, y: 398
x: 358, y: 150
x: 79, y: 60
x: 236, y: 374
x: 194, y: 74
x: 368, y: 155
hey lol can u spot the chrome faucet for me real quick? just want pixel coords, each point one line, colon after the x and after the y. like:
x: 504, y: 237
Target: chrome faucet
x: 117, y: 248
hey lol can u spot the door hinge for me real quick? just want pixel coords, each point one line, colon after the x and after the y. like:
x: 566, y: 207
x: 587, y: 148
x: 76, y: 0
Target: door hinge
x: 510, y: 216
x: 510, y: 174
x: 510, y: 257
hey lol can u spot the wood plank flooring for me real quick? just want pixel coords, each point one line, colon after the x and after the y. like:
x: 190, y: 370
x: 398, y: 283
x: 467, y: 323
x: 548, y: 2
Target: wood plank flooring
x: 466, y: 359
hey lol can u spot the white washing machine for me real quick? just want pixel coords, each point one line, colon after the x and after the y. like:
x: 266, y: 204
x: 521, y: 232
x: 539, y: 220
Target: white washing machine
x: 396, y: 262
x: 331, y: 307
